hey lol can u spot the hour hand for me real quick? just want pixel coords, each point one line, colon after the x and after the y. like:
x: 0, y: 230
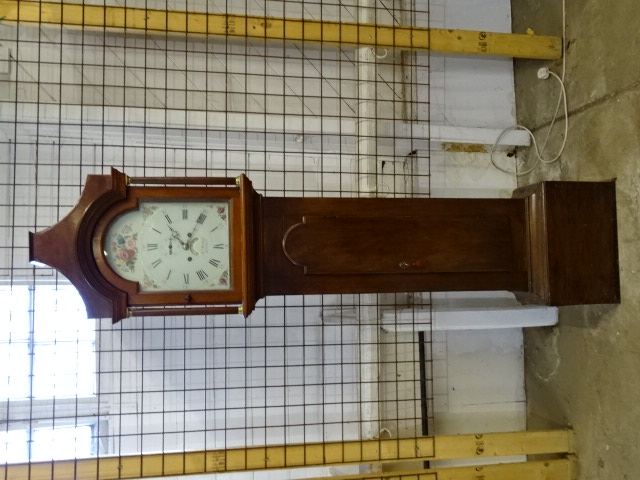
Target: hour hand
x: 176, y: 235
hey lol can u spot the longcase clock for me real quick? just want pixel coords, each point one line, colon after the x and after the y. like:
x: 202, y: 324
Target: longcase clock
x: 161, y: 246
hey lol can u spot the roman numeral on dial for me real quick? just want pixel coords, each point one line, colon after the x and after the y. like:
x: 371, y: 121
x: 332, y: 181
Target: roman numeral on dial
x: 202, y: 275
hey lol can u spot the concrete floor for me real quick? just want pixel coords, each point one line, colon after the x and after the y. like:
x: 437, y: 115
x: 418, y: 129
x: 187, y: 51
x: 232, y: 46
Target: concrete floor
x: 585, y: 372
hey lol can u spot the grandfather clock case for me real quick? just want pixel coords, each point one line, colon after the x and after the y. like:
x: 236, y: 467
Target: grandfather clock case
x: 553, y: 243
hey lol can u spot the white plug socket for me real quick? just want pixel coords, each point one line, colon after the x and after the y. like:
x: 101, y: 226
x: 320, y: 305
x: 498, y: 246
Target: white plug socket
x: 543, y: 73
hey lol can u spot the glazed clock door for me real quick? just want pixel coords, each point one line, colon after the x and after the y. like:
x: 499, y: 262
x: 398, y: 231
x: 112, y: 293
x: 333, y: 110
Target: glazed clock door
x: 152, y: 246
x: 172, y: 246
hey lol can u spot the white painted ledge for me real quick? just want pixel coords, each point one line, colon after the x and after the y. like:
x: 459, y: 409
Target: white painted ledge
x: 446, y: 317
x: 451, y: 318
x: 396, y: 139
x: 443, y: 137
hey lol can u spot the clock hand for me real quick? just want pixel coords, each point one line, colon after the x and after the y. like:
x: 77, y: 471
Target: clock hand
x: 201, y: 218
x: 176, y: 235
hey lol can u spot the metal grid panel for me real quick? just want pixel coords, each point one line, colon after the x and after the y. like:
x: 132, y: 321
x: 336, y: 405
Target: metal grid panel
x: 299, y: 120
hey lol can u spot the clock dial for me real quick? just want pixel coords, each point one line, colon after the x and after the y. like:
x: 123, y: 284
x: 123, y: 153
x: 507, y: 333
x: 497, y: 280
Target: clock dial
x: 172, y: 246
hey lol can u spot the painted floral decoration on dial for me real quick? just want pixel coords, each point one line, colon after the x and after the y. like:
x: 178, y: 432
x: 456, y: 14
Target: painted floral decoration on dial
x: 125, y: 249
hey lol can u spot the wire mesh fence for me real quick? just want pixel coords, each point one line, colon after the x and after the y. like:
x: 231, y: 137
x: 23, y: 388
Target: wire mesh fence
x: 300, y: 119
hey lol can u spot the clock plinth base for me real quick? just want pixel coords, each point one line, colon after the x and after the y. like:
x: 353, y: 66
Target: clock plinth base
x: 573, y: 245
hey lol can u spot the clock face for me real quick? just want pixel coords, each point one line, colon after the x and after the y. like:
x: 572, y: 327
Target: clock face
x: 172, y: 246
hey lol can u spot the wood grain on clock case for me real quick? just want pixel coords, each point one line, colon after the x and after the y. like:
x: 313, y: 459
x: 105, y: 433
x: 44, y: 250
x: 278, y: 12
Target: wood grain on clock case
x: 329, y: 245
x: 573, y: 243
x: 67, y: 246
x: 553, y: 243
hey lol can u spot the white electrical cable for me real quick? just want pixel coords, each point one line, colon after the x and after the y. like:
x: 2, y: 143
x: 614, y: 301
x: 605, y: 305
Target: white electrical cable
x: 562, y: 100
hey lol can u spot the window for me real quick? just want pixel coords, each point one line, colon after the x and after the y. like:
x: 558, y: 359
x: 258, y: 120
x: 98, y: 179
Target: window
x: 48, y: 368
x: 52, y: 443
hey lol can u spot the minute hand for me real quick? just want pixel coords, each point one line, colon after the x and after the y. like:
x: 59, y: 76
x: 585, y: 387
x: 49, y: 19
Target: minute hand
x: 201, y: 218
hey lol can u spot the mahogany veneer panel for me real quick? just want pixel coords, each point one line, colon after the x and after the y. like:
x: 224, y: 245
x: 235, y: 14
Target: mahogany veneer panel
x: 573, y: 243
x: 357, y: 245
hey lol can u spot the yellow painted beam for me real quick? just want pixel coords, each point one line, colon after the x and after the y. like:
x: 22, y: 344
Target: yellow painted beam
x: 558, y: 469
x: 193, y: 23
x: 292, y: 456
x: 496, y: 444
